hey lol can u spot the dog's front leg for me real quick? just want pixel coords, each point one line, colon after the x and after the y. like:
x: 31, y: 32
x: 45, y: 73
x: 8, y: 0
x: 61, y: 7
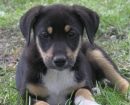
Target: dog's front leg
x: 41, y: 103
x: 84, y: 97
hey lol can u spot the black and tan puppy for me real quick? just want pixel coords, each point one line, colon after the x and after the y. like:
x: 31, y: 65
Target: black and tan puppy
x: 55, y: 61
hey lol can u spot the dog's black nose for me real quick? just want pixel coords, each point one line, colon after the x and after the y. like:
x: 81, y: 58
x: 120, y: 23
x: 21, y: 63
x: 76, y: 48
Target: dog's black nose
x: 59, y: 61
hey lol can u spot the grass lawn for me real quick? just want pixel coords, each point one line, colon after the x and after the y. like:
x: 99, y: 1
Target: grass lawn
x: 113, y: 35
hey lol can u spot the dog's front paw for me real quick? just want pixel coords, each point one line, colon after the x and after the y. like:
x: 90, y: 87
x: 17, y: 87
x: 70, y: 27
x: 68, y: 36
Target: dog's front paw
x: 41, y: 103
x: 82, y: 101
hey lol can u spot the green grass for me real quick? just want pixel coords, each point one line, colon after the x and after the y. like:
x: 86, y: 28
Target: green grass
x: 114, y: 20
x: 111, y: 97
x: 8, y: 93
x: 112, y: 12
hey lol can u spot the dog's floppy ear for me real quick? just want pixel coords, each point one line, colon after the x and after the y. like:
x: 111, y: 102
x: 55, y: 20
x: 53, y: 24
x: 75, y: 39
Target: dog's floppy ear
x: 27, y: 21
x: 89, y: 19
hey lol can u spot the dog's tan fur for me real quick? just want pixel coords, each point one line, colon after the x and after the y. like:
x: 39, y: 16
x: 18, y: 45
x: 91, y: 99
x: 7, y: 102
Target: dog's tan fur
x: 67, y: 28
x: 74, y: 54
x: 45, y: 55
x: 85, y: 93
x: 37, y: 90
x: 41, y: 103
x: 50, y: 30
x: 108, y: 69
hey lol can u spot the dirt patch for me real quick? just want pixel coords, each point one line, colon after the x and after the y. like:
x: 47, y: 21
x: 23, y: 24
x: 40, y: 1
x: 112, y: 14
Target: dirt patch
x: 11, y: 43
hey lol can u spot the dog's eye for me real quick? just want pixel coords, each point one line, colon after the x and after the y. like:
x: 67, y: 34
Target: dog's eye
x: 44, y: 35
x: 71, y: 35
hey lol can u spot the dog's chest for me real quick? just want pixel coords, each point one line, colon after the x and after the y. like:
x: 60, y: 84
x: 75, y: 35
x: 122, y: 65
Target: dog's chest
x: 59, y: 84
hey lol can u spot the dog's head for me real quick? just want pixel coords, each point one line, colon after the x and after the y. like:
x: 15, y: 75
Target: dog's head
x: 58, y: 31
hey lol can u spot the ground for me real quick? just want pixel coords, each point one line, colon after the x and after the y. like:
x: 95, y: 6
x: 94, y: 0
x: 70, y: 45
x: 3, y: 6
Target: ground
x: 113, y: 35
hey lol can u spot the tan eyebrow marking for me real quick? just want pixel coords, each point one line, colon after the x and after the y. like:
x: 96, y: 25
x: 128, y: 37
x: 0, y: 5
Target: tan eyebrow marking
x: 50, y: 30
x: 67, y: 28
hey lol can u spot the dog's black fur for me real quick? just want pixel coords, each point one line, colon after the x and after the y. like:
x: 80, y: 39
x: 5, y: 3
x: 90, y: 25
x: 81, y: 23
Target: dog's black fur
x: 50, y: 45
